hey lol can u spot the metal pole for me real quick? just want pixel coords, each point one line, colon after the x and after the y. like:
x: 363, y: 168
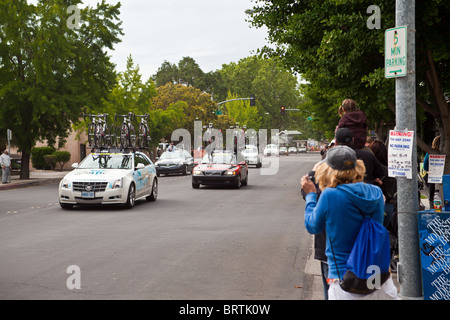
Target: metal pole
x: 409, y: 270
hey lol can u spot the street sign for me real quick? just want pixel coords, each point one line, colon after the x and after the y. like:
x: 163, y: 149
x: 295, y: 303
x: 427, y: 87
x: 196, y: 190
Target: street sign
x: 395, y: 47
x: 219, y: 112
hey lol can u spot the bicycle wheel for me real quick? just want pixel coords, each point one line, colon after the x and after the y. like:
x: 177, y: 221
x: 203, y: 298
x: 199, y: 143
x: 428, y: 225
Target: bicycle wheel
x: 142, y: 136
x: 132, y: 137
x: 91, y: 134
x: 106, y: 137
x: 124, y: 136
x: 112, y: 137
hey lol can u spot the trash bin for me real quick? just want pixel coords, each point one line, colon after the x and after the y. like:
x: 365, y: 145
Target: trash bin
x: 434, y: 241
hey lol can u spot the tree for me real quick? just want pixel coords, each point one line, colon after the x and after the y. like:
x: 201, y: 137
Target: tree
x: 329, y: 43
x: 50, y: 71
x: 272, y: 84
x: 198, y: 105
x: 241, y: 111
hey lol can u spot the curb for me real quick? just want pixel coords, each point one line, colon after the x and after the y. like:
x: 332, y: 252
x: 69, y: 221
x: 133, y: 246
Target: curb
x: 37, y: 182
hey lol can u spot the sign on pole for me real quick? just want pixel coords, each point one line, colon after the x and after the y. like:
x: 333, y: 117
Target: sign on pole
x: 436, y: 168
x: 400, y: 154
x: 395, y: 52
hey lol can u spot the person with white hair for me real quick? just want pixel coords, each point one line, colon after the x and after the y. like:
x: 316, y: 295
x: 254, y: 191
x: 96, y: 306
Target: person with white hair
x: 5, y: 162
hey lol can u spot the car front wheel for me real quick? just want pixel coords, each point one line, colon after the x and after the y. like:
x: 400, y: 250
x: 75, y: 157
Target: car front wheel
x: 154, y: 195
x: 131, y: 200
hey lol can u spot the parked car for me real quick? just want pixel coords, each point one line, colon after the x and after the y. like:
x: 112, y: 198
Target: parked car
x: 177, y: 161
x: 271, y: 149
x: 292, y: 150
x: 109, y: 178
x: 302, y: 150
x: 221, y: 167
x: 283, y: 150
x: 252, y: 156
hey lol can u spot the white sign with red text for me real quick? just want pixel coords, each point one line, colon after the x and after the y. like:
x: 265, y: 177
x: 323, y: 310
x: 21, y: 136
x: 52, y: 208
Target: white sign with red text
x: 436, y: 168
x: 400, y: 153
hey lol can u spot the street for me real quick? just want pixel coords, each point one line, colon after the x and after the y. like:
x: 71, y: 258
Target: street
x: 207, y: 243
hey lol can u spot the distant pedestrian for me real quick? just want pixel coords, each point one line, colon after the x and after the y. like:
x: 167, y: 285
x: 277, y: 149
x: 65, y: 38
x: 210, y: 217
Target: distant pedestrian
x: 340, y: 178
x: 5, y: 161
x: 355, y: 120
x: 171, y: 147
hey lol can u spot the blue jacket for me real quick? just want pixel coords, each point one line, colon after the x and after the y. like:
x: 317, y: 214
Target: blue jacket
x: 339, y: 211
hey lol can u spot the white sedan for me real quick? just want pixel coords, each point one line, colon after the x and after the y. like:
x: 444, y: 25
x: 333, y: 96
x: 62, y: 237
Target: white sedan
x: 252, y: 155
x: 109, y: 178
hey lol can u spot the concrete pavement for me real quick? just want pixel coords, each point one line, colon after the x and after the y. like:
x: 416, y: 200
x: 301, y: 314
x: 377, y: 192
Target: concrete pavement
x: 312, y: 267
x: 37, y: 178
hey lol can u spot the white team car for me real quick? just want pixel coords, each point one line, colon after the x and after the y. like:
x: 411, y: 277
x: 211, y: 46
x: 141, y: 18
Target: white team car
x: 109, y: 178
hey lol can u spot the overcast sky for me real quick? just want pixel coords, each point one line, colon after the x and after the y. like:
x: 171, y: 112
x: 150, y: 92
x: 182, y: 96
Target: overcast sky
x: 213, y: 32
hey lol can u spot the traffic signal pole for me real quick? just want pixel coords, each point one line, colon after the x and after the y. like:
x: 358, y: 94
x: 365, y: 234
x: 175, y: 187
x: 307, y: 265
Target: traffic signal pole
x: 409, y: 268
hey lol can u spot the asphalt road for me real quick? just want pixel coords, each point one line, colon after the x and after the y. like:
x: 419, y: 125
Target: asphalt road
x: 208, y: 243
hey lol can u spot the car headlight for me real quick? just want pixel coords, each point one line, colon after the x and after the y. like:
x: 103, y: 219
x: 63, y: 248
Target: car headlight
x: 65, y: 184
x: 117, y: 184
x: 181, y: 163
x: 197, y: 172
x: 231, y: 173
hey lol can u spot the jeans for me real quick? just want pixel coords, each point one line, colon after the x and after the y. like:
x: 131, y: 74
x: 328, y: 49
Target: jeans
x: 5, y: 174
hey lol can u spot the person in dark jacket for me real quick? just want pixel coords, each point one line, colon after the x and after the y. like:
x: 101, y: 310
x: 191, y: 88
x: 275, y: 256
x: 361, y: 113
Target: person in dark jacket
x: 374, y: 169
x: 355, y: 120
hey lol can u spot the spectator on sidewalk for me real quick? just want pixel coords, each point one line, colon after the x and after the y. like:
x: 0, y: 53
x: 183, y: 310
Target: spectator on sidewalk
x: 374, y: 169
x: 5, y: 161
x: 355, y: 120
x: 340, y: 178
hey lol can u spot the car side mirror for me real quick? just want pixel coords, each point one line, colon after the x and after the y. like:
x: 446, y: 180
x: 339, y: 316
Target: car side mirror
x: 74, y: 165
x: 140, y: 166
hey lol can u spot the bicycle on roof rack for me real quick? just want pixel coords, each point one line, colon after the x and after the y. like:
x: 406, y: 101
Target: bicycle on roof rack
x: 143, y: 138
x: 99, y: 133
x: 126, y: 134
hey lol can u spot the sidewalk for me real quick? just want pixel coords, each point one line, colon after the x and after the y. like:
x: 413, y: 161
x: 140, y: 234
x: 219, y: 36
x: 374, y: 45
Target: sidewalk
x: 37, y: 178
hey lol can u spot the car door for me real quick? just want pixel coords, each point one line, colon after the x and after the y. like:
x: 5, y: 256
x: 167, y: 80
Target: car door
x: 149, y: 173
x: 139, y: 175
x: 189, y: 160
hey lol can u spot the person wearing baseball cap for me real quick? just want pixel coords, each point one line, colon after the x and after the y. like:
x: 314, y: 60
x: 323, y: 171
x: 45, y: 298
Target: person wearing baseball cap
x: 344, y: 195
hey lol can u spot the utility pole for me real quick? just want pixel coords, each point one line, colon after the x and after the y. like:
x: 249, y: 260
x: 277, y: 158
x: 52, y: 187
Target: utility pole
x: 409, y: 269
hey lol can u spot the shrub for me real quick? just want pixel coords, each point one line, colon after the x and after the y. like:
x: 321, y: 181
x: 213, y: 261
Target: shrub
x: 62, y: 157
x: 37, y: 157
x: 49, y: 161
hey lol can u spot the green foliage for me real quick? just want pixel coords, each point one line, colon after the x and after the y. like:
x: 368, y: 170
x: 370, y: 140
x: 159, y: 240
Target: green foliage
x: 50, y: 72
x: 273, y: 86
x: 62, y: 157
x: 241, y: 111
x: 329, y: 43
x: 38, y: 157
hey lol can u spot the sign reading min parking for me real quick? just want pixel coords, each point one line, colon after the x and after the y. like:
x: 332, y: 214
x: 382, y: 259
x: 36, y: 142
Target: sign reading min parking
x: 395, y: 47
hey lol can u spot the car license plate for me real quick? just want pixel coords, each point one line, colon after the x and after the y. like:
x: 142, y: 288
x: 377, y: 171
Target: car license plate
x: 87, y: 195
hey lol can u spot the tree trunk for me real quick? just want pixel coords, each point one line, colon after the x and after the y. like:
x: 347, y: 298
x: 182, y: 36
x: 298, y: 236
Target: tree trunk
x: 25, y: 166
x: 436, y: 92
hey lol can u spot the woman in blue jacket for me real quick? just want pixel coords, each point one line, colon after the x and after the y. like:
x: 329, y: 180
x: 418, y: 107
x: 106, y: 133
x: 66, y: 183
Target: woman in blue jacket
x: 344, y: 196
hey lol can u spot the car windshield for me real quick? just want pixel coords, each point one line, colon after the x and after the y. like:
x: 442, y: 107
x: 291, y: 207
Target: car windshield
x: 106, y: 161
x: 172, y: 155
x: 219, y: 158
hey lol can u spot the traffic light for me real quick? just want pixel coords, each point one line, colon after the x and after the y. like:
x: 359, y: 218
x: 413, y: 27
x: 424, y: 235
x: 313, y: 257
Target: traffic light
x: 252, y: 100
x: 283, y: 110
